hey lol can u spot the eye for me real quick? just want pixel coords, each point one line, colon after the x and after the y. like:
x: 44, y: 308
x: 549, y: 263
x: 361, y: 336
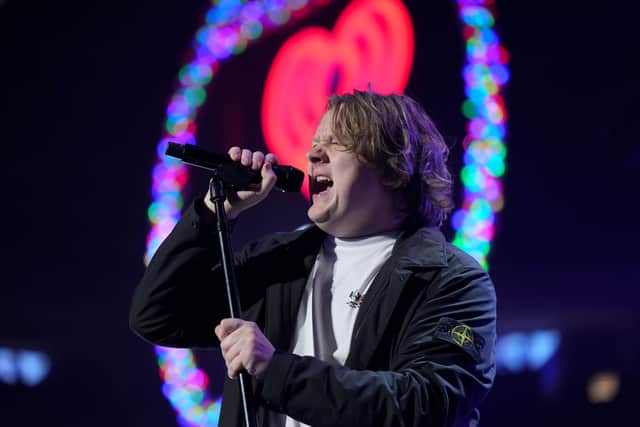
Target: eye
x: 336, y: 145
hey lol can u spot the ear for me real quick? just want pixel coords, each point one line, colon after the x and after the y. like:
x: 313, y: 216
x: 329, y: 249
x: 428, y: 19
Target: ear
x: 397, y: 190
x: 390, y: 183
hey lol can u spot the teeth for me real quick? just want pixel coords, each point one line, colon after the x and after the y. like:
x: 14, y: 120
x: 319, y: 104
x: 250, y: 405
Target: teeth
x: 323, y: 179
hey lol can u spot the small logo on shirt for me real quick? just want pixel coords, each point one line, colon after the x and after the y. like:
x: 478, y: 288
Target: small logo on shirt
x: 355, y: 299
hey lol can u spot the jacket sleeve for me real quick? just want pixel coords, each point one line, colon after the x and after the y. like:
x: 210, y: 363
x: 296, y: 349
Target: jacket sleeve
x: 432, y: 380
x: 182, y: 297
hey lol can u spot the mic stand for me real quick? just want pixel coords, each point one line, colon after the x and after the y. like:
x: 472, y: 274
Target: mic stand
x: 217, y: 194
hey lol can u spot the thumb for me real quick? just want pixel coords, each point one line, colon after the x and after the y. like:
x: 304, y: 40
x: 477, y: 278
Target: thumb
x: 269, y: 177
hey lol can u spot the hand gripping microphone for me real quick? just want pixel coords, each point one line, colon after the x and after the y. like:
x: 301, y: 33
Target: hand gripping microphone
x: 234, y: 175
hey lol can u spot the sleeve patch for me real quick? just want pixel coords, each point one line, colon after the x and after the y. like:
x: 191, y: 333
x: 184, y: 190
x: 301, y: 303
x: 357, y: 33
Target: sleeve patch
x: 461, y: 335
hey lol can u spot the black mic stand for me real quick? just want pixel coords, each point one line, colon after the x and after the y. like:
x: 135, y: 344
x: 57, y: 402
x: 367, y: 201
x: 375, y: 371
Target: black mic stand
x: 217, y: 197
x: 234, y: 176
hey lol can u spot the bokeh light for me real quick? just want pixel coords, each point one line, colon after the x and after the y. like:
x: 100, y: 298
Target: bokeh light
x: 484, y: 160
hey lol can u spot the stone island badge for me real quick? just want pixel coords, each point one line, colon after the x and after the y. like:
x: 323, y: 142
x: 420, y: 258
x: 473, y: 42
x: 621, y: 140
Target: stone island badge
x: 461, y: 335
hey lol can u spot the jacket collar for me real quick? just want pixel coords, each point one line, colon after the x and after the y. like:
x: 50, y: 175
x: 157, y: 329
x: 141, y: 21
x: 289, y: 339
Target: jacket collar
x: 424, y: 247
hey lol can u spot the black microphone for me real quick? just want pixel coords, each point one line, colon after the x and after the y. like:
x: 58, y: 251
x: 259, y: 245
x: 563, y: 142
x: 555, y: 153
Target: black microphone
x: 234, y: 175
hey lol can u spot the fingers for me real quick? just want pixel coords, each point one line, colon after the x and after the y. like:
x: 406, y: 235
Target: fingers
x: 227, y: 326
x: 236, y: 344
x: 238, y: 352
x: 271, y: 158
x: 243, y: 346
x: 234, y: 153
x: 255, y: 159
x: 269, y: 179
x: 242, y: 200
x: 244, y: 156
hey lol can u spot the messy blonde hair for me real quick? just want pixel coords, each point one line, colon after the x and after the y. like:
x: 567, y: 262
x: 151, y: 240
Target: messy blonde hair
x: 394, y: 134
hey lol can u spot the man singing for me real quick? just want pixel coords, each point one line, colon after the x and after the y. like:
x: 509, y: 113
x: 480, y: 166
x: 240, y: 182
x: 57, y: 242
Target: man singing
x: 368, y: 317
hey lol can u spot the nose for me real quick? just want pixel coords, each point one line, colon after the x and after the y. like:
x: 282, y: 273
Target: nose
x: 316, y: 154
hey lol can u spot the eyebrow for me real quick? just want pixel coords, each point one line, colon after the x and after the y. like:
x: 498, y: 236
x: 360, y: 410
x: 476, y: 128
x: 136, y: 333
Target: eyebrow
x: 319, y: 140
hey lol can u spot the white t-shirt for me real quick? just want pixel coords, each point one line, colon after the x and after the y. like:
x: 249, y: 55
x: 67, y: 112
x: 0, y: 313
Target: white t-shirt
x: 342, y: 274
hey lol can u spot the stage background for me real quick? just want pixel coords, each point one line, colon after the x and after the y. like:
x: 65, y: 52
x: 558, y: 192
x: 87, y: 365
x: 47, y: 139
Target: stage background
x: 83, y: 92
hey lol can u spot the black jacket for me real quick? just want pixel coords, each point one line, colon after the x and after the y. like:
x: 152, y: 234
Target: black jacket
x: 422, y: 349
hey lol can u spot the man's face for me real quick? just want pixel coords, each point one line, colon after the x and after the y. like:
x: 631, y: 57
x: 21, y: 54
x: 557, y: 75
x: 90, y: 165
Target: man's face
x: 348, y: 198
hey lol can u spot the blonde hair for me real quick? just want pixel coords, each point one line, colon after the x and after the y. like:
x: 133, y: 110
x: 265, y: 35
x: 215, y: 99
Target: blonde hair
x: 395, y: 134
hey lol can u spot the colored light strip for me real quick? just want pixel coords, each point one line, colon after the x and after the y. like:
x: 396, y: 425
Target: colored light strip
x: 484, y: 74
x: 230, y: 26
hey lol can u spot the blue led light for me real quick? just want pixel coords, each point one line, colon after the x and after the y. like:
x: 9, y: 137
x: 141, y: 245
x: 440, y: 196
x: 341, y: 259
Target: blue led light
x: 8, y: 371
x: 25, y: 366
x: 511, y: 352
x: 33, y: 367
x: 542, y: 346
x: 520, y: 351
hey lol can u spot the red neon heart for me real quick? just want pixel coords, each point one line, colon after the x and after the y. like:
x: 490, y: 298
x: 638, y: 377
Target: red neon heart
x: 372, y: 42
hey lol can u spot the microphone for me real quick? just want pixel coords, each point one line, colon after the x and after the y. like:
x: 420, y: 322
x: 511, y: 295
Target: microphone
x: 234, y: 175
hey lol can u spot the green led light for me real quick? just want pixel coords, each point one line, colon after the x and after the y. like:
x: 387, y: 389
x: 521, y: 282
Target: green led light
x: 251, y: 29
x: 240, y: 46
x: 481, y: 209
x: 279, y: 17
x: 495, y: 166
x: 194, y: 96
x: 469, y: 109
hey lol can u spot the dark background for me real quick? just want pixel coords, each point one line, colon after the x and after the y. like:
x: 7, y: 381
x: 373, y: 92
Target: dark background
x: 83, y: 92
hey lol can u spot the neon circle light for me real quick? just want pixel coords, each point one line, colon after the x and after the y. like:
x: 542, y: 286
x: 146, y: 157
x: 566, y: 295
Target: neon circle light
x: 230, y: 26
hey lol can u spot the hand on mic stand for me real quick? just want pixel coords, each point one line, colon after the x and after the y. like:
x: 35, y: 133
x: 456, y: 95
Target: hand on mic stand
x: 233, y: 189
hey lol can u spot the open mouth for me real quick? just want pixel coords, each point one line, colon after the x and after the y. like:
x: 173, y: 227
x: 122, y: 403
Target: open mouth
x: 319, y: 184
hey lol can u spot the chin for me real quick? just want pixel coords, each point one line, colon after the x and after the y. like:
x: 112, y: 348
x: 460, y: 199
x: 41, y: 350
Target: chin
x: 332, y: 228
x: 322, y: 220
x: 316, y: 216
